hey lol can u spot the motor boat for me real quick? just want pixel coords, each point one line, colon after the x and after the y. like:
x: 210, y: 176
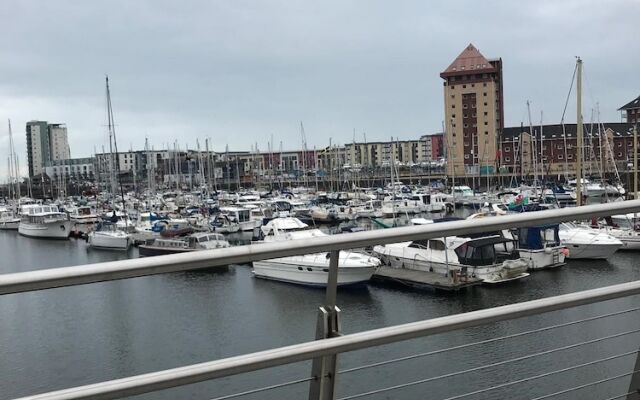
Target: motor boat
x: 309, y: 269
x: 587, y: 243
x: 107, y: 236
x: 194, y: 242
x: 476, y: 257
x: 540, y: 247
x: 83, y: 215
x: 8, y: 220
x: 242, y: 217
x: 221, y: 223
x: 43, y: 221
x: 489, y: 257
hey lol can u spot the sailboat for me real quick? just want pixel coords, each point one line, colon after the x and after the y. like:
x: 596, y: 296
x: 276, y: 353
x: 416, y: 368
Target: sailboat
x: 107, y: 236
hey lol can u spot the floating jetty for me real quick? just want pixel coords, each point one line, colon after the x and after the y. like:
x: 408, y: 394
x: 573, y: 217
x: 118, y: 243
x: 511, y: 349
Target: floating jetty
x: 423, y: 279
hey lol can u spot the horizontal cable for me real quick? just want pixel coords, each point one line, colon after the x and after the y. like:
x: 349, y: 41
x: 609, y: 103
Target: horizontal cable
x: 482, y: 342
x: 531, y: 378
x: 621, y: 396
x: 263, y: 389
x: 573, y: 389
x: 481, y: 367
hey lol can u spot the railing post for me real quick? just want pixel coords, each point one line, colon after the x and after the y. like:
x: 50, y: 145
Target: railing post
x: 323, y: 370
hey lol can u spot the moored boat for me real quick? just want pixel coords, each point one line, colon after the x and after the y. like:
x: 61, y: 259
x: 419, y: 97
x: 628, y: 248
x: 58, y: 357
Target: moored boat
x: 310, y: 269
x: 44, y: 221
x: 195, y: 242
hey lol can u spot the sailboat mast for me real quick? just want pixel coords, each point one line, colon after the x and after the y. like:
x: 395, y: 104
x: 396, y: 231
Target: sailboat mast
x: 579, y: 132
x: 635, y: 163
x: 112, y: 133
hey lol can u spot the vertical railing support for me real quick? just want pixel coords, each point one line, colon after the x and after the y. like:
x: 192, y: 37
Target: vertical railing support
x: 323, y: 370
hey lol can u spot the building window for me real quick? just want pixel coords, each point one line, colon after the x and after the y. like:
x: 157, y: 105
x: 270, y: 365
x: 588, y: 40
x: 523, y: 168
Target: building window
x: 453, y: 96
x: 464, y: 106
x: 486, y: 132
x: 485, y: 104
x: 507, y: 159
x: 486, y: 123
x: 466, y: 125
x: 453, y: 106
x: 569, y: 156
x: 560, y: 156
x: 464, y: 86
x: 486, y: 113
x: 466, y: 156
x: 453, y: 86
x: 473, y: 115
x: 484, y: 84
x: 473, y: 105
x: 473, y: 85
x: 453, y: 115
x: 619, y: 155
x: 464, y: 116
x: 484, y: 94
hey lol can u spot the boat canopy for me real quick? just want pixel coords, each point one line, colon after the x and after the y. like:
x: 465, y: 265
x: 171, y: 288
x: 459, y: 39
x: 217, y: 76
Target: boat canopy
x: 534, y: 238
x: 485, y: 251
x: 283, y: 224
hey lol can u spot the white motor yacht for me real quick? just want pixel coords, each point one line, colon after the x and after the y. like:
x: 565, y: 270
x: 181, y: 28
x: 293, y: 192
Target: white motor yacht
x: 43, y: 221
x: 587, y: 243
x: 478, y: 257
x: 310, y: 269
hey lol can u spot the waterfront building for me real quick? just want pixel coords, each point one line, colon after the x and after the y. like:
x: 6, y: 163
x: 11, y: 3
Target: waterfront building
x: 432, y: 147
x: 377, y: 154
x: 606, y: 146
x: 631, y: 111
x: 474, y: 116
x: 45, y: 143
x: 72, y: 168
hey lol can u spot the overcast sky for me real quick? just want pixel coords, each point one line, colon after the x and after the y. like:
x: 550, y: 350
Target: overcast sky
x: 240, y: 71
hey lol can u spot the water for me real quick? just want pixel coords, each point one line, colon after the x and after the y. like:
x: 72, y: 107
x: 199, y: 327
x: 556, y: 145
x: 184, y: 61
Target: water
x: 78, y: 335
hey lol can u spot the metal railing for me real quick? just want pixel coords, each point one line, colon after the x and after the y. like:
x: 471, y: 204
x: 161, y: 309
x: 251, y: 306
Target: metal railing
x: 323, y: 352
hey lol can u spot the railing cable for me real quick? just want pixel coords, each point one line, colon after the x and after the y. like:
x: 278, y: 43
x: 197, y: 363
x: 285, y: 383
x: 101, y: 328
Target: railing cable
x: 622, y: 396
x: 262, y: 389
x: 573, y: 389
x: 482, y: 342
x: 499, y: 363
x: 531, y: 378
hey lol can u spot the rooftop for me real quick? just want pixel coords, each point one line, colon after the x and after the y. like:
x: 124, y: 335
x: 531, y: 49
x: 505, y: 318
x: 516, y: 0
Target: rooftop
x: 556, y: 131
x: 635, y: 103
x: 470, y: 60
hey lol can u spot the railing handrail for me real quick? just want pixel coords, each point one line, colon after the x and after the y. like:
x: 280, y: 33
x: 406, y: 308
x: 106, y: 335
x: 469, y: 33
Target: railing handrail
x: 114, y: 270
x: 145, y: 383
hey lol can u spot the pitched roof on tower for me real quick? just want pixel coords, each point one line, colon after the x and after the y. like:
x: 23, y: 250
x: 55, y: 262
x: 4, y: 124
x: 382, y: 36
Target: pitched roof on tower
x: 635, y: 103
x: 470, y: 60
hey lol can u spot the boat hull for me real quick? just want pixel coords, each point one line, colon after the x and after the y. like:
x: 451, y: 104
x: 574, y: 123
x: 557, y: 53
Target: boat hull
x: 49, y: 230
x: 551, y: 257
x: 300, y: 271
x: 107, y: 242
x: 591, y: 251
x: 496, y: 273
x: 145, y: 250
